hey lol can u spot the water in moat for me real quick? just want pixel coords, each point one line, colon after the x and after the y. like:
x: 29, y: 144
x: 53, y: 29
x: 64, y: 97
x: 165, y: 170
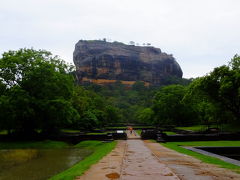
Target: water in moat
x: 37, y: 164
x: 230, y: 152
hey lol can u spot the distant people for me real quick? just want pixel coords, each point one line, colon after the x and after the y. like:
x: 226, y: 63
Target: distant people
x: 131, y: 130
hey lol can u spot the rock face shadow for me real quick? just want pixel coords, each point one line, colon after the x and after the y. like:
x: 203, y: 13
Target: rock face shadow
x: 103, y: 62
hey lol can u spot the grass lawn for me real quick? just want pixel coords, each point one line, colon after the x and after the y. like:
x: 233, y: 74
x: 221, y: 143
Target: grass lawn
x: 231, y: 127
x: 193, y: 128
x: 167, y: 132
x: 3, y: 132
x: 138, y: 131
x: 70, y: 130
x: 177, y: 147
x: 99, y: 133
x: 100, y: 150
x: 96, y: 133
x: 125, y: 127
x: 143, y: 127
x: 33, y: 145
x: 225, y: 127
x: 119, y: 127
x: 170, y: 132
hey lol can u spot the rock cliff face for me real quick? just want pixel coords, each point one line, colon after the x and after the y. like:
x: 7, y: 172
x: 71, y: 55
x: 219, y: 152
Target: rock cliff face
x: 104, y: 62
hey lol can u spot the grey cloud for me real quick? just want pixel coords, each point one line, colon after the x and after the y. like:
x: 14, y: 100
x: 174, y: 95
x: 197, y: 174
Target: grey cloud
x: 201, y: 34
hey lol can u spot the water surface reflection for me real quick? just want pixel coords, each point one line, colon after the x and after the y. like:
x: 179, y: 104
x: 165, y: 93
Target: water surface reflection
x: 37, y: 164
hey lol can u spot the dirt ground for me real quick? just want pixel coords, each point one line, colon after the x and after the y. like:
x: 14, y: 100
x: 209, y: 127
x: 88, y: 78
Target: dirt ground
x: 135, y: 159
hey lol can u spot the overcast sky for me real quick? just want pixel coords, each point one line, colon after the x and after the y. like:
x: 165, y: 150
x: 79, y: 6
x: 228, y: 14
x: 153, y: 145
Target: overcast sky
x: 201, y: 34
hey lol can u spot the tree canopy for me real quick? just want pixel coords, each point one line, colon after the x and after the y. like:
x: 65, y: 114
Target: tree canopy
x: 168, y: 106
x: 222, y: 86
x: 38, y: 93
x: 38, y: 90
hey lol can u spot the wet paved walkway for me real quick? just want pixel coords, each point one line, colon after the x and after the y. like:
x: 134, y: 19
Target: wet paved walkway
x: 130, y: 160
x: 135, y: 159
x: 109, y: 167
x: 190, y: 168
x: 140, y: 164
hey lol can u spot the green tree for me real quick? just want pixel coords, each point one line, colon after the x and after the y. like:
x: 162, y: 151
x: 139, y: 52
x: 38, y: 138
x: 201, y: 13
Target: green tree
x: 204, y: 109
x: 112, y: 114
x: 145, y: 116
x: 39, y: 88
x: 2, y: 88
x: 222, y: 85
x: 138, y: 86
x: 168, y: 107
x: 92, y: 109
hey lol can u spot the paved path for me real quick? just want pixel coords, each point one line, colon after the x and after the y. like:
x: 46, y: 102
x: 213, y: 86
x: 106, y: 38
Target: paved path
x: 135, y: 159
x: 189, y: 168
x: 140, y: 164
x: 130, y: 160
x: 109, y: 167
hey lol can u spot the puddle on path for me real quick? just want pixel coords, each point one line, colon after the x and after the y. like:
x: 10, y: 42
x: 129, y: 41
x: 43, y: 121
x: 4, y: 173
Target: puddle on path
x: 113, y: 175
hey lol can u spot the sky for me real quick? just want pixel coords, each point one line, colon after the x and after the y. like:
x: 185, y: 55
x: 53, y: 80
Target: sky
x: 201, y: 34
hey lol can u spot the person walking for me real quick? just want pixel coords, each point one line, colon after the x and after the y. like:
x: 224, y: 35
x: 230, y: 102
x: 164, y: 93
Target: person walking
x: 131, y: 130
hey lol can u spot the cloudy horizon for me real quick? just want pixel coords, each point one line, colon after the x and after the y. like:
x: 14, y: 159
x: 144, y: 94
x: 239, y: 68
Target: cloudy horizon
x: 200, y: 34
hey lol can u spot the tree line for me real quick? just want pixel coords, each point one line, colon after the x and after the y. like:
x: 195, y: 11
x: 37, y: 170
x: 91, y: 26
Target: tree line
x: 213, y: 99
x: 39, y: 93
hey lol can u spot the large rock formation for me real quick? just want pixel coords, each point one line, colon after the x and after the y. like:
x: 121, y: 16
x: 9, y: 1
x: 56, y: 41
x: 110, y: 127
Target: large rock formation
x: 104, y: 62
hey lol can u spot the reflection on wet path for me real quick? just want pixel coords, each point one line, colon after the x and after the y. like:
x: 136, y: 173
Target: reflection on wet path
x: 37, y: 164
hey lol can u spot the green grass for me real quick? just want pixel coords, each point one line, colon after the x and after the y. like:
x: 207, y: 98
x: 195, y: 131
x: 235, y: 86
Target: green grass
x: 3, y: 132
x: 88, y: 144
x: 99, y: 133
x: 33, y: 145
x: 100, y: 150
x: 70, y: 130
x: 117, y: 127
x: 207, y: 159
x: 125, y: 127
x: 231, y: 127
x: 170, y: 132
x: 96, y: 133
x: 143, y: 127
x: 167, y: 132
x: 138, y: 131
x: 193, y: 128
x: 225, y: 127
